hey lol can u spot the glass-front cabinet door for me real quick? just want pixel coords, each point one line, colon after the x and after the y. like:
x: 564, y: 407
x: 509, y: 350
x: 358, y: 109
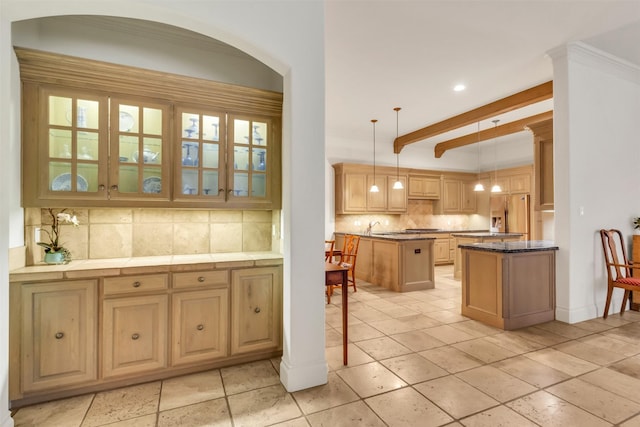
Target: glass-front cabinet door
x: 200, y: 158
x: 249, y: 158
x: 139, y: 150
x: 75, y: 147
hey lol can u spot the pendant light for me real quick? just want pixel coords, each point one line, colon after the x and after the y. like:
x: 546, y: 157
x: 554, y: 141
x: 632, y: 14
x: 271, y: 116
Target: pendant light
x: 374, y: 187
x: 479, y: 186
x: 398, y: 184
x: 496, y: 187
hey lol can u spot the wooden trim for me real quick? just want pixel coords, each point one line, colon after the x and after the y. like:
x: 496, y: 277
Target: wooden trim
x: 502, y: 130
x: 80, y: 73
x: 513, y: 102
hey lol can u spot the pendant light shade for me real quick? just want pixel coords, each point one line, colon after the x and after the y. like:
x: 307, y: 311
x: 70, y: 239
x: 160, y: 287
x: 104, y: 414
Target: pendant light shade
x: 398, y: 184
x: 496, y: 187
x: 374, y: 188
x: 479, y: 186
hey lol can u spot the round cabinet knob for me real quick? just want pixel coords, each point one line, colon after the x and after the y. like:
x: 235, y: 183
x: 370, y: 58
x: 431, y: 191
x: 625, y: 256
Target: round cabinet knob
x: 102, y: 187
x: 136, y: 284
x: 220, y: 190
x: 200, y: 327
x: 59, y: 335
x: 135, y: 336
x: 201, y: 279
x: 114, y: 188
x: 257, y: 310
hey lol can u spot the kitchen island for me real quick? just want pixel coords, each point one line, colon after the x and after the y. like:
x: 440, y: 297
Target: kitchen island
x: 401, y: 262
x: 509, y: 285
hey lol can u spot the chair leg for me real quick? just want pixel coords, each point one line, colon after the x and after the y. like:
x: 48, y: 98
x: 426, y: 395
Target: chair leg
x: 606, y: 307
x: 624, y: 301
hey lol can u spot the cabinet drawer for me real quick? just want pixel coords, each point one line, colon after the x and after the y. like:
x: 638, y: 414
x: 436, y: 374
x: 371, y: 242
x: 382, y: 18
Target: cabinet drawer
x: 135, y: 284
x: 196, y: 279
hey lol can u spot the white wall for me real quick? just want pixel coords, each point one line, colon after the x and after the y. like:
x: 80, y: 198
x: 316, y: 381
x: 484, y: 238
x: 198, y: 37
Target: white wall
x: 288, y: 37
x: 597, y: 105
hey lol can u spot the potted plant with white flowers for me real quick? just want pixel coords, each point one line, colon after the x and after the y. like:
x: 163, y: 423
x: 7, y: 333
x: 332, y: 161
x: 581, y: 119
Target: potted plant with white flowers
x: 54, y: 252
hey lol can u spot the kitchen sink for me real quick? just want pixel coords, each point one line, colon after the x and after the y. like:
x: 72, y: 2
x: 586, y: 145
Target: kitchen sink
x: 421, y: 230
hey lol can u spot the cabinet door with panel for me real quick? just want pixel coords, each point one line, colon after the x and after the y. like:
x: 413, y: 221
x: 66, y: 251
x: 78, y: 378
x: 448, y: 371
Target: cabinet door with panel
x: 377, y: 202
x: 421, y: 187
x: 520, y: 183
x: 355, y: 193
x: 256, y: 313
x: 134, y: 335
x: 451, y: 196
x: 200, y: 325
x: 59, y: 334
x: 467, y: 197
x: 396, y: 197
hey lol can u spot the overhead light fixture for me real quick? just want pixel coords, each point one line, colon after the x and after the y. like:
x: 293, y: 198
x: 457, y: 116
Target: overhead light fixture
x: 459, y: 87
x: 398, y: 184
x: 374, y: 188
x: 496, y: 187
x: 479, y: 186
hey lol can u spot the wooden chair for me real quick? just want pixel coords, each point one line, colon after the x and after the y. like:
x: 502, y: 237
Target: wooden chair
x: 329, y: 246
x: 348, y: 259
x: 618, y: 269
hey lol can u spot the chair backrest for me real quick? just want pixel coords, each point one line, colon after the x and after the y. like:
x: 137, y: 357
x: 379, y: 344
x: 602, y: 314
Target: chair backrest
x: 613, y: 246
x: 329, y: 245
x: 350, y: 250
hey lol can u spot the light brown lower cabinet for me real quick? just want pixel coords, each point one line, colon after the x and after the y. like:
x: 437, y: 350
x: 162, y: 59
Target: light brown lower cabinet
x: 134, y: 335
x: 256, y: 313
x: 71, y: 337
x: 59, y: 334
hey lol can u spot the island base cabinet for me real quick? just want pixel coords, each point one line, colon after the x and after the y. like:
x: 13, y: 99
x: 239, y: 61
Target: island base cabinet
x: 200, y: 324
x: 255, y: 305
x: 508, y: 290
x: 59, y: 324
x: 135, y: 335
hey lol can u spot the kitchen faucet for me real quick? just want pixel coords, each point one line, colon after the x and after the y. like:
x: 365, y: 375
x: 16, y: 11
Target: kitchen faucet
x: 370, y: 227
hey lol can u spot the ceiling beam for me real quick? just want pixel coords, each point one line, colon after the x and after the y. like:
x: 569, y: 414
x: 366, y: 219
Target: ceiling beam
x: 513, y: 102
x: 502, y: 130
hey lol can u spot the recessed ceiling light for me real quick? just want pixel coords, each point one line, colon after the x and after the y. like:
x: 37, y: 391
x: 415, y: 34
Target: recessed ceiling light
x: 459, y: 87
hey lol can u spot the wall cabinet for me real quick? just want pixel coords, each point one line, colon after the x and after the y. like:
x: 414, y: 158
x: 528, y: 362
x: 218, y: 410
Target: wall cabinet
x: 59, y: 334
x: 457, y: 197
x: 352, y: 184
x: 149, y: 326
x: 424, y: 187
x: 543, y: 164
x: 125, y: 136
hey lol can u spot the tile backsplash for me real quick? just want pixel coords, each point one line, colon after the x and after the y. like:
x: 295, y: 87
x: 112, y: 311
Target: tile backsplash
x: 419, y: 215
x: 123, y: 233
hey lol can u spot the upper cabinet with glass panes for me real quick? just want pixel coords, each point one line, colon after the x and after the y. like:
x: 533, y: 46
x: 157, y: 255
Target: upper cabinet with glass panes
x: 170, y: 143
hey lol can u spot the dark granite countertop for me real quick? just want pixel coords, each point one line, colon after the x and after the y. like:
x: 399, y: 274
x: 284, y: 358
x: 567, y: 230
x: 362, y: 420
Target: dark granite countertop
x: 510, y: 247
x: 485, y: 234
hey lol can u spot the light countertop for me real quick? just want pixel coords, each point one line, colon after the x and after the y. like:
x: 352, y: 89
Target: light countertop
x: 87, y: 268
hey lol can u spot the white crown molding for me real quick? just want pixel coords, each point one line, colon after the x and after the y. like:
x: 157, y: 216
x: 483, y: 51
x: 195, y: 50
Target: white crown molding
x: 590, y: 56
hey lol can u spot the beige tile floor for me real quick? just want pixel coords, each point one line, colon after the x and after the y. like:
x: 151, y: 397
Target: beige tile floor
x: 413, y: 361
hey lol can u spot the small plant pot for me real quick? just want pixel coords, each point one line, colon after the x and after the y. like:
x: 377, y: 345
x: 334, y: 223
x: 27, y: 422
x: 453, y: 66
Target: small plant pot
x: 54, y: 257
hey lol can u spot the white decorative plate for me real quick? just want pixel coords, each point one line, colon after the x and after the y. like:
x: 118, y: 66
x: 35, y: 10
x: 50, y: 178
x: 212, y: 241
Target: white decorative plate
x: 62, y: 182
x: 126, y: 121
x: 152, y: 184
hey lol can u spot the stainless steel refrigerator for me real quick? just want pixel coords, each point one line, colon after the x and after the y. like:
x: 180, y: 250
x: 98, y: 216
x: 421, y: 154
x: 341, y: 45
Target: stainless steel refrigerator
x: 510, y: 214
